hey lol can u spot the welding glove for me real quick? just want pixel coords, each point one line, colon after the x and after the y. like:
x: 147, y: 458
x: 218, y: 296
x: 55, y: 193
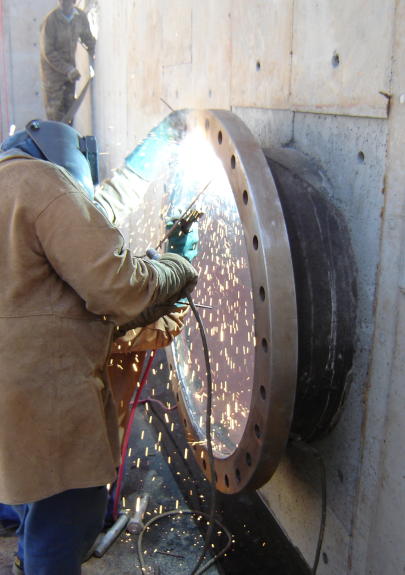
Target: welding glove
x: 74, y: 75
x: 182, y: 241
x: 175, y: 275
x: 147, y: 317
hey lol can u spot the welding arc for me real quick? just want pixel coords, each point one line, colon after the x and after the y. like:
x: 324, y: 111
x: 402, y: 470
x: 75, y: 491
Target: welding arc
x: 182, y: 216
x: 184, y: 512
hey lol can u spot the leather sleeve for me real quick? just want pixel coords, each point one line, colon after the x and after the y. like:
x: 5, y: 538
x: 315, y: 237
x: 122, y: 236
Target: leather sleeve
x: 87, y: 252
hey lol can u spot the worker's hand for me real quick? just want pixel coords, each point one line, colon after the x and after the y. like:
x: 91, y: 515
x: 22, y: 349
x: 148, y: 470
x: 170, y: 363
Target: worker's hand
x: 175, y: 274
x: 149, y: 316
x: 183, y: 240
x: 74, y: 75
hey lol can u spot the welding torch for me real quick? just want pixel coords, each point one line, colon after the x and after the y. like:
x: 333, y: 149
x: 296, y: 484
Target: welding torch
x: 185, y: 221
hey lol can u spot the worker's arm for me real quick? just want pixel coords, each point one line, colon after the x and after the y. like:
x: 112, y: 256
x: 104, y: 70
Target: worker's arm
x: 52, y: 56
x: 155, y: 336
x: 87, y: 38
x: 86, y: 251
x: 121, y: 194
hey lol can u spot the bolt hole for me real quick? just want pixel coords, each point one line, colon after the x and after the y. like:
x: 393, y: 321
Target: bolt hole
x: 255, y: 243
x: 245, y: 197
x: 335, y: 60
x: 264, y: 346
x: 248, y: 459
x: 209, y: 93
x: 262, y: 293
x: 258, y: 66
x: 171, y: 367
x: 325, y: 557
x: 220, y: 137
x: 360, y: 157
x: 257, y: 431
x: 177, y: 397
x: 237, y: 473
x: 227, y: 480
x: 204, y: 464
x: 207, y: 125
x: 233, y: 162
x: 262, y: 392
x: 185, y: 422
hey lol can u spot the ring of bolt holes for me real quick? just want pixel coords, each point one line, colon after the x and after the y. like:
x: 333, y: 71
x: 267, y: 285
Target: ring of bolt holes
x: 262, y: 295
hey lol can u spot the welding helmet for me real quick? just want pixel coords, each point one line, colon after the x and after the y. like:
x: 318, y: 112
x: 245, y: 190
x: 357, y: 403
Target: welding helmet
x: 63, y: 146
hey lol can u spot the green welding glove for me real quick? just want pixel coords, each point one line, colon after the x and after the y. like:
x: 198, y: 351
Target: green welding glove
x: 175, y: 274
x: 182, y: 241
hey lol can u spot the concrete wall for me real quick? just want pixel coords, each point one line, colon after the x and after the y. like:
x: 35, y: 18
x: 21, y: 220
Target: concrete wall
x: 21, y: 21
x: 317, y: 76
x: 22, y: 86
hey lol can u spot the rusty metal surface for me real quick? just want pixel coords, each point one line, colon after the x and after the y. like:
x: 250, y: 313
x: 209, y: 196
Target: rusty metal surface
x: 258, y: 447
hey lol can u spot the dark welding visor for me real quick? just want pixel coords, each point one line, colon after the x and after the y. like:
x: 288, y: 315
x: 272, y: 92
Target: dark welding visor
x: 63, y: 146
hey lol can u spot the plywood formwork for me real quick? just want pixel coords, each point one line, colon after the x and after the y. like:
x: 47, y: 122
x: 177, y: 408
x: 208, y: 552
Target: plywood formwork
x: 176, y: 32
x: 342, y: 56
x: 261, y: 53
x: 178, y: 86
x: 211, y: 54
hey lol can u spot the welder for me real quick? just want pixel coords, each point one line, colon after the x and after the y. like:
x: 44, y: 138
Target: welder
x: 60, y: 32
x: 66, y: 286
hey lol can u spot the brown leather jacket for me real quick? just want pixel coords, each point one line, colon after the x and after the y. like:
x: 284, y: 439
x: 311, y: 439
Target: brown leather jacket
x: 65, y: 282
x: 58, y: 46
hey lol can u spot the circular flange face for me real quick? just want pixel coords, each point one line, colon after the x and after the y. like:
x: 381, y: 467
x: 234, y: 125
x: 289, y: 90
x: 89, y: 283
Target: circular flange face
x: 246, y: 277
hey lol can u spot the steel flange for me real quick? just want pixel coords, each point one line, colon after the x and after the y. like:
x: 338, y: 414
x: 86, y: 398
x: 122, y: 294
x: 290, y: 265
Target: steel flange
x: 254, y: 397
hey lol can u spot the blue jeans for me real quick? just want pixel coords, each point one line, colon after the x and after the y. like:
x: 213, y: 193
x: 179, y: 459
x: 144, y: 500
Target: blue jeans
x: 8, y: 516
x: 56, y: 533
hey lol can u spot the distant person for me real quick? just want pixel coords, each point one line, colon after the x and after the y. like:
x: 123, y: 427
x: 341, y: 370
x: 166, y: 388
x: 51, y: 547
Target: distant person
x: 60, y: 32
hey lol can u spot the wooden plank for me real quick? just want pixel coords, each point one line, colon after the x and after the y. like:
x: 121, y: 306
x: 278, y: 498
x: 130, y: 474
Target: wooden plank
x: 178, y: 86
x: 211, y: 54
x: 135, y: 36
x: 261, y: 53
x: 152, y: 64
x: 342, y: 56
x: 176, y: 32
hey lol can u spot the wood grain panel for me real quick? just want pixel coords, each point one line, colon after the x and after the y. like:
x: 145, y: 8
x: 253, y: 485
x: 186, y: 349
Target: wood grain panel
x: 342, y: 56
x: 261, y: 53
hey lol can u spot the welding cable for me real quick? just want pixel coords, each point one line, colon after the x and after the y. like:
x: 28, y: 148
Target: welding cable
x: 207, y: 432
x: 127, y: 434
x: 184, y: 512
x: 155, y: 401
x: 4, y: 70
x: 211, y: 515
x: 299, y: 444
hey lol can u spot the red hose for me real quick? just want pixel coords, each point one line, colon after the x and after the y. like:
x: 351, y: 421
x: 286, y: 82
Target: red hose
x: 127, y: 433
x: 4, y: 72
